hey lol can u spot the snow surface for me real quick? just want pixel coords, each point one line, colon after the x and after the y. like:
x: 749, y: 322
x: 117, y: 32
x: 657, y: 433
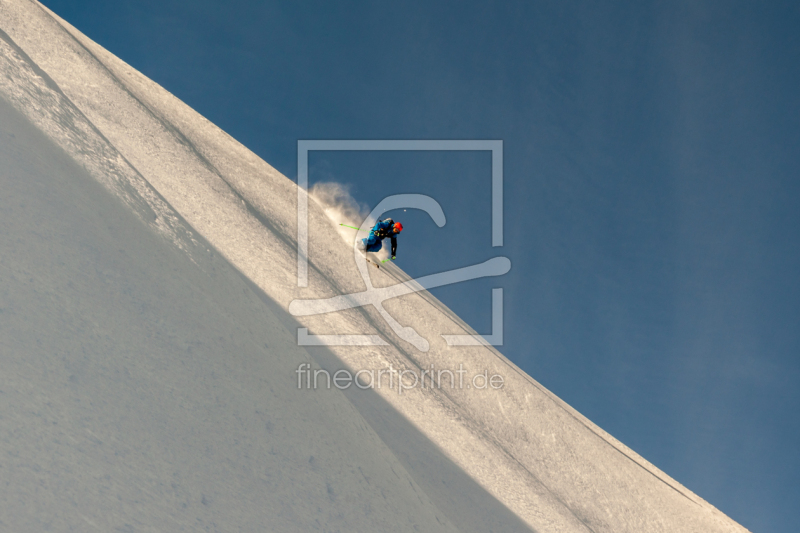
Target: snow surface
x: 148, y: 357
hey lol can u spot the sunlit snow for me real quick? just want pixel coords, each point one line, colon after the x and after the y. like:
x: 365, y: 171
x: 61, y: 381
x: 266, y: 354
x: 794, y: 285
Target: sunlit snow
x: 149, y: 365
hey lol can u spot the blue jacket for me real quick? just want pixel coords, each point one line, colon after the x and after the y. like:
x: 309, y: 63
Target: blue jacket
x: 383, y: 229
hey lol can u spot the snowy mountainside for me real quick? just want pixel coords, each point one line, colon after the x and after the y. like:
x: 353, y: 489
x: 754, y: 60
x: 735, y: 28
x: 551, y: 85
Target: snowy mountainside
x: 142, y: 389
x: 194, y: 194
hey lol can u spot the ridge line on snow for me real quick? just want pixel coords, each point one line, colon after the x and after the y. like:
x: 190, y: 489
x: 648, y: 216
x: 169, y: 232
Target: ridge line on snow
x: 135, y: 200
x: 561, y: 404
x: 177, y: 134
x: 476, y: 426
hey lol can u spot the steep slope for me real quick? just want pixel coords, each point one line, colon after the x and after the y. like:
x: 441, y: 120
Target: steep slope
x: 143, y: 390
x: 544, y: 463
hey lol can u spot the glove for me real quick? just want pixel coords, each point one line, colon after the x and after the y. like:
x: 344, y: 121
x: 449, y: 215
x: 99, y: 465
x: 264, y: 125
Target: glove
x: 394, y: 257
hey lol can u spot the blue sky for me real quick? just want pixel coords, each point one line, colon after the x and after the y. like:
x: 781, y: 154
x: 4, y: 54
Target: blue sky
x: 652, y: 196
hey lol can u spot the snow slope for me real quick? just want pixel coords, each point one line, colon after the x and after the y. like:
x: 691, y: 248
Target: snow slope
x: 149, y: 357
x: 143, y: 391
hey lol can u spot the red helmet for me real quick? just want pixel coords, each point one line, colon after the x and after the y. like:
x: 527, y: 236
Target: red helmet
x: 398, y: 227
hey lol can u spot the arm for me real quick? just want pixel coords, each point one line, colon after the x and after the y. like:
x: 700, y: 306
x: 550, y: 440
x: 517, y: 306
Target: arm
x: 394, y: 247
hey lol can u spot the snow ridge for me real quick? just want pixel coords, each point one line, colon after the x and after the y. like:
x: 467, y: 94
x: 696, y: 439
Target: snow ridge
x: 205, y: 193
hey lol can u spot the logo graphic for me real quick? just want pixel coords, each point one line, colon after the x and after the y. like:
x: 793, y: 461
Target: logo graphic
x: 496, y: 266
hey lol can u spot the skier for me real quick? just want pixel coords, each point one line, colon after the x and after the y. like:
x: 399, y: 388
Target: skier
x: 384, y: 228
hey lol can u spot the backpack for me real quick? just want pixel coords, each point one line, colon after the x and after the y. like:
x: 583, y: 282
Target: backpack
x: 383, y: 233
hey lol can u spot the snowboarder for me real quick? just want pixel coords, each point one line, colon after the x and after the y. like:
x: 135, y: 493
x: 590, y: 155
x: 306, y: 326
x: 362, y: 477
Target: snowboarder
x: 384, y: 228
